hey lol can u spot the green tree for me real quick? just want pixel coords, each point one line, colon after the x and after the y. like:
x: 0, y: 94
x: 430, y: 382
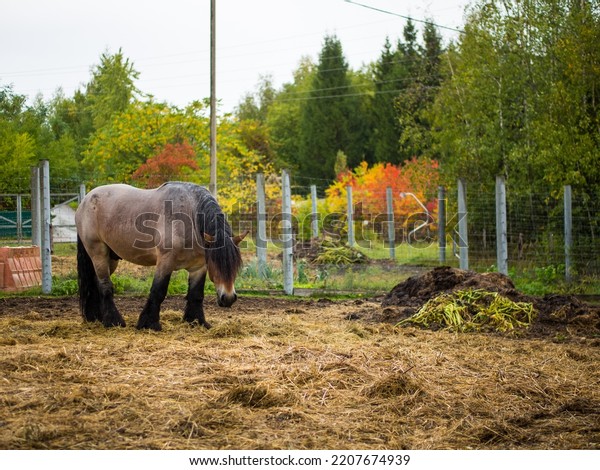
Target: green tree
x: 413, y: 103
x: 285, y: 115
x: 325, y: 120
x: 520, y: 98
x: 388, y: 77
x: 255, y: 106
x: 112, y: 87
x: 134, y: 135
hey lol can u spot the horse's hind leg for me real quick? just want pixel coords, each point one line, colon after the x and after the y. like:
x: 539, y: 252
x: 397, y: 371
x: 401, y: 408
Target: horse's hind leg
x: 104, y: 267
x: 150, y: 316
x: 89, y: 293
x: 110, y: 313
x: 194, y: 308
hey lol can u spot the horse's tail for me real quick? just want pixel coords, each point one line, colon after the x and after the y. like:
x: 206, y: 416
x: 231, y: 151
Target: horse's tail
x: 89, y: 293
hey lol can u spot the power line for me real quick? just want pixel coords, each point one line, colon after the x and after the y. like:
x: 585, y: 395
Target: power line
x: 387, y: 12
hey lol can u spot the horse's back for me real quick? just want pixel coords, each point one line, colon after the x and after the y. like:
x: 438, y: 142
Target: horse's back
x: 132, y: 221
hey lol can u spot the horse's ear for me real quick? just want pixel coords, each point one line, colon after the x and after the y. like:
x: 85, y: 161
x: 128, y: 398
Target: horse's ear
x: 238, y: 238
x: 208, y: 238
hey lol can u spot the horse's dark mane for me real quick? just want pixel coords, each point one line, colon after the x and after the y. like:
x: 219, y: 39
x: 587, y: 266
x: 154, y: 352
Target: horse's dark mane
x: 222, y: 253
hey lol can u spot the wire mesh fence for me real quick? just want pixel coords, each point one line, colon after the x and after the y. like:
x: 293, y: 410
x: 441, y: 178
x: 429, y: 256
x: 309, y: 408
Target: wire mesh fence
x: 394, y: 241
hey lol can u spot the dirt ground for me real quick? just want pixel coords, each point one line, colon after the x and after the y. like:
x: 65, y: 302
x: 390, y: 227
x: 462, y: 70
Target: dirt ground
x: 279, y: 373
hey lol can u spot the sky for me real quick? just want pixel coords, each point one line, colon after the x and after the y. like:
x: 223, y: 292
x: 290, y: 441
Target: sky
x: 50, y: 44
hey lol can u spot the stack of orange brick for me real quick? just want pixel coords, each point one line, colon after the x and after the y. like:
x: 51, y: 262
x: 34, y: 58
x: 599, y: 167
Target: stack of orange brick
x: 20, y: 267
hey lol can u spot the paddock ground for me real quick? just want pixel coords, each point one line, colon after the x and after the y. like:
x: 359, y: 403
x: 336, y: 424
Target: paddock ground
x: 278, y: 373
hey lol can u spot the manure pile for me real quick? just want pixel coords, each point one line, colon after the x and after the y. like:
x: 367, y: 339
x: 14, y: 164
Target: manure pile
x: 558, y: 316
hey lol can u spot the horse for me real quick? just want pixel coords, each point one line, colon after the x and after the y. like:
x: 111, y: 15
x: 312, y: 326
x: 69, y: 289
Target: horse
x: 175, y: 226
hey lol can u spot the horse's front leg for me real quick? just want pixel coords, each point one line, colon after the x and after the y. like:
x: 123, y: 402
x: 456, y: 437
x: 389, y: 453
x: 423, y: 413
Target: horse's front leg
x: 150, y: 316
x: 194, y: 308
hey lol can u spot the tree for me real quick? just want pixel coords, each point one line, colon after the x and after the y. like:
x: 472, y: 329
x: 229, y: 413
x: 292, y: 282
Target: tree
x: 369, y: 185
x: 255, y: 106
x: 72, y: 117
x: 285, y: 115
x: 118, y: 149
x: 325, y: 119
x: 406, y: 82
x: 388, y: 76
x: 521, y: 97
x: 172, y: 162
x: 413, y: 103
x: 19, y: 129
x: 112, y: 87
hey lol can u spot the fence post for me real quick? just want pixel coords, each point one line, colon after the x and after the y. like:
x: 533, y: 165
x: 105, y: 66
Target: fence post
x: 286, y: 231
x: 501, y: 229
x: 442, y: 223
x: 350, y: 212
x: 314, y: 218
x: 82, y: 192
x: 261, y: 226
x: 390, y: 222
x: 568, y: 231
x: 35, y: 206
x: 19, y: 218
x: 45, y: 225
x: 463, y: 236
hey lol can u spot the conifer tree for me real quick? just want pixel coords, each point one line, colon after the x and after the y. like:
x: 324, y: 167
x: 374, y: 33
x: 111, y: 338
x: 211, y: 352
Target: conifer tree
x: 326, y: 114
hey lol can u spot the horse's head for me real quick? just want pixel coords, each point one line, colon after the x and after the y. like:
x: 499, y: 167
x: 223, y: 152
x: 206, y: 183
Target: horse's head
x: 223, y: 264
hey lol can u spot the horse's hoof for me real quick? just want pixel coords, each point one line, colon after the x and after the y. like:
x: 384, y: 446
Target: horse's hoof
x: 149, y: 326
x: 111, y: 323
x: 207, y: 325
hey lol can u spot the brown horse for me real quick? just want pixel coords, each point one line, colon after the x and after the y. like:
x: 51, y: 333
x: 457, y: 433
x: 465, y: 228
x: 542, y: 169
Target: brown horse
x: 176, y: 226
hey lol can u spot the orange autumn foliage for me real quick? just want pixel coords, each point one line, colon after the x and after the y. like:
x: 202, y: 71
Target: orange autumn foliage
x: 417, y: 176
x: 173, y: 162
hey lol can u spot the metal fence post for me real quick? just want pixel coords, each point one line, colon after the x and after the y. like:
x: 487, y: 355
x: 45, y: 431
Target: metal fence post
x: 286, y: 232
x: 35, y: 206
x: 45, y: 225
x: 390, y: 222
x: 350, y: 212
x: 568, y: 231
x: 501, y: 229
x: 442, y: 223
x: 314, y: 216
x: 463, y: 235
x: 82, y: 192
x: 19, y: 218
x: 261, y: 225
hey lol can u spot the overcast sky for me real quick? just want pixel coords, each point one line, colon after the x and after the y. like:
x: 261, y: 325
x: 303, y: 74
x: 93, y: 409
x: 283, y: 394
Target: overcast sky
x: 47, y: 44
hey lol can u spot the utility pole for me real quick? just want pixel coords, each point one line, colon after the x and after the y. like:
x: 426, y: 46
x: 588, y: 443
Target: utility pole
x: 213, y: 104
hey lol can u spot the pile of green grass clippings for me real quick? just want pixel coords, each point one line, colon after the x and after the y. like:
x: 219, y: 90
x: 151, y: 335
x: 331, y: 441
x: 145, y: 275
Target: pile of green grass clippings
x: 337, y: 253
x: 473, y: 310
